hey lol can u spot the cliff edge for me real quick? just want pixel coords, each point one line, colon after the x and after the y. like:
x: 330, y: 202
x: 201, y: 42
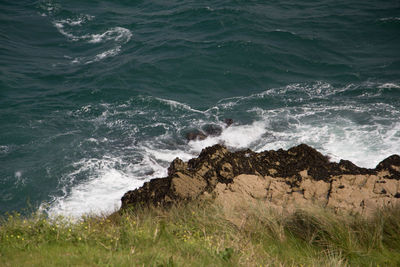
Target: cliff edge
x: 282, y: 179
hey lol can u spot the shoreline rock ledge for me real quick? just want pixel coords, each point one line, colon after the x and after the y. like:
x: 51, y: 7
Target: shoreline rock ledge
x: 282, y: 179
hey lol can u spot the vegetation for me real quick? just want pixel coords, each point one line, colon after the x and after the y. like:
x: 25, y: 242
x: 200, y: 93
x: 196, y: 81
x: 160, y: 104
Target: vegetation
x: 199, y: 234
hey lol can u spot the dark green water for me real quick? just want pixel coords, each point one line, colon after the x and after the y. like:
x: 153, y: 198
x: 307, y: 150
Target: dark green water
x: 96, y: 97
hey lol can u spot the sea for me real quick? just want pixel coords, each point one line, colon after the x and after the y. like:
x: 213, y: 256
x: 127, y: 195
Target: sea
x: 98, y: 97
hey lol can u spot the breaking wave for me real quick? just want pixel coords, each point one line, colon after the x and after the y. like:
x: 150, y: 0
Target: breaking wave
x: 74, y: 30
x: 364, y: 134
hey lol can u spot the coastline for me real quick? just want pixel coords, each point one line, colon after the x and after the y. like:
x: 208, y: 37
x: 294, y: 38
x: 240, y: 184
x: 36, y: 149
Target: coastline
x: 284, y: 180
x: 274, y: 208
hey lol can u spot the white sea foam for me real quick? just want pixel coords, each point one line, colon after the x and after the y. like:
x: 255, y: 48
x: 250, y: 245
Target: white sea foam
x: 118, y: 34
x: 364, y: 134
x: 101, y: 194
x: 76, y: 60
x: 18, y: 174
x: 311, y: 91
x: 102, y: 191
x: 235, y: 136
x: 177, y: 105
x: 48, y: 7
x: 389, y: 85
x: 60, y: 27
x: 72, y: 29
x: 338, y: 137
x: 167, y: 155
x: 296, y: 92
x: 390, y: 19
x: 4, y: 149
x: 108, y: 53
x: 88, y: 60
x: 20, y: 179
x: 83, y: 18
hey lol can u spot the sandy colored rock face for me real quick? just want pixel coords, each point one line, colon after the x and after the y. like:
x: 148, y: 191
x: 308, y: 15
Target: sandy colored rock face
x: 284, y: 180
x: 185, y: 187
x: 361, y: 194
x: 244, y: 189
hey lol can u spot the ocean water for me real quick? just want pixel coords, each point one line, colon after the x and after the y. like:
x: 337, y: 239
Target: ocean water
x: 97, y: 97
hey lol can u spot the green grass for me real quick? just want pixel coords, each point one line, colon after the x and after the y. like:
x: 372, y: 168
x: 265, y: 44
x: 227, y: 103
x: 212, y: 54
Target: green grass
x: 199, y: 234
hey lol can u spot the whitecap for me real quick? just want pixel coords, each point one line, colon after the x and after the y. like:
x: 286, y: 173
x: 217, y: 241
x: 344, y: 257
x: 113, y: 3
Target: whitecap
x: 118, y: 34
x: 60, y: 27
x: 105, y: 54
x: 101, y: 194
x: 389, y: 85
x: 18, y: 174
x: 177, y: 105
x: 336, y: 135
x: 71, y: 28
x: 83, y: 18
x: 20, y: 180
x: 234, y: 137
x: 390, y: 19
x: 364, y: 134
x: 168, y: 155
x: 4, y: 149
x: 108, y: 179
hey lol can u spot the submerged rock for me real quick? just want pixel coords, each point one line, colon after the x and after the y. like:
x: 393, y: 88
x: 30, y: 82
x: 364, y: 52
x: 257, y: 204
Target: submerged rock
x: 283, y: 179
x: 212, y: 130
x: 196, y: 135
x: 208, y: 130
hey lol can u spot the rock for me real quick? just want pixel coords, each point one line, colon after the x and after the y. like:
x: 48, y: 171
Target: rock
x: 196, y: 135
x: 282, y: 179
x: 212, y: 130
x: 208, y: 130
x: 228, y: 122
x: 391, y: 164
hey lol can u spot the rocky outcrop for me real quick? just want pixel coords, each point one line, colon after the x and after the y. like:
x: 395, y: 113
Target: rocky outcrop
x: 283, y: 179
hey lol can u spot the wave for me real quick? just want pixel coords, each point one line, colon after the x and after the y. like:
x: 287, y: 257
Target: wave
x: 144, y: 136
x: 109, y: 178
x: 234, y: 137
x: 81, y: 19
x: 98, y: 57
x: 177, y: 105
x: 71, y: 28
x: 4, y: 149
x: 117, y: 34
x: 389, y: 85
x: 390, y: 19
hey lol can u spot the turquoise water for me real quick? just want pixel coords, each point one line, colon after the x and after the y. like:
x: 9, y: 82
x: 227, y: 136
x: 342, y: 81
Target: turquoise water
x: 96, y: 97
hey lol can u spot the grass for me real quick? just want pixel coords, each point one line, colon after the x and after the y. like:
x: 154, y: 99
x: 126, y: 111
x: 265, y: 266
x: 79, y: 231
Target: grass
x: 199, y: 234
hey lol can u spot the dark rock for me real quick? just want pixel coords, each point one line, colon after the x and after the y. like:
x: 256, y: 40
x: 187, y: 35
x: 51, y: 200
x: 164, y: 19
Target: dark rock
x: 391, y: 164
x: 212, y: 130
x: 228, y: 122
x: 153, y: 192
x: 176, y: 165
x: 208, y: 130
x: 196, y: 135
x: 216, y: 165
